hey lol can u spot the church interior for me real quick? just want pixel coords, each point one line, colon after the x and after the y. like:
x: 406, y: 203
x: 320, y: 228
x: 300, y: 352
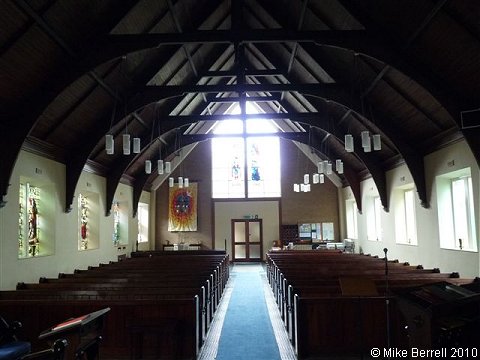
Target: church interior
x: 163, y: 160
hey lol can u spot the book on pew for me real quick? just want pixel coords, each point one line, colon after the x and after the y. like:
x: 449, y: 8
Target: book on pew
x: 69, y: 323
x: 74, y: 322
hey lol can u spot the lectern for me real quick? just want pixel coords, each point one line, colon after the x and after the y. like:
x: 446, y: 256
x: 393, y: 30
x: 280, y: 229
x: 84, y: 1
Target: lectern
x: 440, y: 315
x: 83, y: 334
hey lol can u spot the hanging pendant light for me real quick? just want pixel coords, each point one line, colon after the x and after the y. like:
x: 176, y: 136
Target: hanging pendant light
x: 316, y: 178
x: 329, y: 168
x: 171, y: 182
x: 307, y: 188
x: 126, y: 144
x: 365, y: 138
x: 136, y: 145
x: 368, y: 147
x: 377, y: 142
x: 349, y: 146
x: 322, y: 178
x: 306, y: 178
x: 160, y: 167
x: 296, y: 187
x: 148, y: 167
x: 168, y: 167
x: 186, y: 182
x: 339, y: 166
x: 320, y: 167
x: 109, y: 144
x: 180, y: 182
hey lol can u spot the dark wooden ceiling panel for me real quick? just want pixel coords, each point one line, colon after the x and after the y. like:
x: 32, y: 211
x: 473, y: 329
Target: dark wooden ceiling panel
x: 400, y: 19
x: 143, y: 17
x: 407, y: 75
x: 13, y: 23
x: 28, y: 64
x: 333, y: 15
x: 465, y: 12
x: 457, y: 66
x: 62, y: 107
x: 72, y: 21
x: 421, y: 99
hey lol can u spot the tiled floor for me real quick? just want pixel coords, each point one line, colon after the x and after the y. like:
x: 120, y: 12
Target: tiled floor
x: 209, y: 349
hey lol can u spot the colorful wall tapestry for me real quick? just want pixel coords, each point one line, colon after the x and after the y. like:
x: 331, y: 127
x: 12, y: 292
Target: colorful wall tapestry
x: 182, y: 214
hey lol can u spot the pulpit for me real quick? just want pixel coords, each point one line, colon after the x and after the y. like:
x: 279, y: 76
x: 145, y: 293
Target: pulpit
x: 440, y: 315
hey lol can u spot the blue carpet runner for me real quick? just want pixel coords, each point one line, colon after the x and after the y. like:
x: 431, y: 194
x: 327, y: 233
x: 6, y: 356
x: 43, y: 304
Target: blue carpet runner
x: 247, y: 332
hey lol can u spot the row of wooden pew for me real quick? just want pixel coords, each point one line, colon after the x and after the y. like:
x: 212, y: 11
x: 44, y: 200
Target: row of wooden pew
x: 338, y: 304
x: 161, y: 304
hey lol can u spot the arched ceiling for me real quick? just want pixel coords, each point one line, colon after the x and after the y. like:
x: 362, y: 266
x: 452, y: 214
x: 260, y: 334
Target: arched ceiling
x: 164, y: 70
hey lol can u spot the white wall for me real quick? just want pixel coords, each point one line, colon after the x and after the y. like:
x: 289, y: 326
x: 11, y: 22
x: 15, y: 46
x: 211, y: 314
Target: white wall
x: 225, y: 211
x: 428, y: 252
x: 65, y: 257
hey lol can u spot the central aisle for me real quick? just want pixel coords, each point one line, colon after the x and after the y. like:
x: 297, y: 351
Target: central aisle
x: 247, y: 332
x: 247, y: 324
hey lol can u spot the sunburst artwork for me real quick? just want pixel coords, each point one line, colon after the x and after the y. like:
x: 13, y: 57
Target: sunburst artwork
x: 182, y: 208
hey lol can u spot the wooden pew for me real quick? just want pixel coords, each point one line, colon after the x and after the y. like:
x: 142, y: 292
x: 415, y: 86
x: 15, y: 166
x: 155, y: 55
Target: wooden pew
x: 174, y: 318
x: 318, y: 314
x: 347, y: 326
x: 175, y: 307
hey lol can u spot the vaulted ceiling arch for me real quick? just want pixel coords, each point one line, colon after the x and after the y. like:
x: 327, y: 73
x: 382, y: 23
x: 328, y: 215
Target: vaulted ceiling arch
x: 295, y: 46
x: 76, y: 163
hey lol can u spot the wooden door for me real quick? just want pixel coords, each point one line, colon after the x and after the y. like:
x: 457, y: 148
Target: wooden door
x: 247, y: 240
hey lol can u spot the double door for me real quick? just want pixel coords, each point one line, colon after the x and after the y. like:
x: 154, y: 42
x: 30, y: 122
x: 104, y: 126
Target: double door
x: 247, y: 240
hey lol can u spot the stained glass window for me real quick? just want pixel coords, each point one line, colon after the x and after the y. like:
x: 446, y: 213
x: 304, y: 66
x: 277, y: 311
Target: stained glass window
x: 251, y: 160
x: 142, y: 223
x: 29, y: 221
x: 263, y: 162
x: 116, y: 223
x: 83, y: 221
x: 228, y: 166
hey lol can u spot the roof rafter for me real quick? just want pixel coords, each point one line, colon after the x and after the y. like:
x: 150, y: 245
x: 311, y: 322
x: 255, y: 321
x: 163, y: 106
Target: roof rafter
x: 453, y: 102
x: 409, y: 153
x: 20, y: 119
x: 112, y: 46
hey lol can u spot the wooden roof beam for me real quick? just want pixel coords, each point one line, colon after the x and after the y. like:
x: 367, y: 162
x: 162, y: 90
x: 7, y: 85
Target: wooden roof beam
x: 248, y: 72
x: 112, y: 46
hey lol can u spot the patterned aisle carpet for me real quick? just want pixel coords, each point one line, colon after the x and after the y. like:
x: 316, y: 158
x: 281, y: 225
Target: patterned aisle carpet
x: 247, y: 324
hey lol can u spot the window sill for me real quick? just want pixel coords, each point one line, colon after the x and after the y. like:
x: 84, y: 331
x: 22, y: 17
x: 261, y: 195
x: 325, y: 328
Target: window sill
x: 462, y: 250
x: 34, y: 257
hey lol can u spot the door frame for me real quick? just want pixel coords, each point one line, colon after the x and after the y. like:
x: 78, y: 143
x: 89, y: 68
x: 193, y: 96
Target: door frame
x: 246, y: 242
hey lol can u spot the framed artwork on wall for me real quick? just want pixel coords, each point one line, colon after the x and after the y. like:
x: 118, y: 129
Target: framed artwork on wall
x: 182, y: 208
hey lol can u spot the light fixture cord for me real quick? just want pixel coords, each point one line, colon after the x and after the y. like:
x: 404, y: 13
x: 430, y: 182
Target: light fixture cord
x: 123, y: 74
x: 159, y: 133
x: 114, y: 110
x: 126, y: 117
x: 178, y: 150
x: 372, y: 118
